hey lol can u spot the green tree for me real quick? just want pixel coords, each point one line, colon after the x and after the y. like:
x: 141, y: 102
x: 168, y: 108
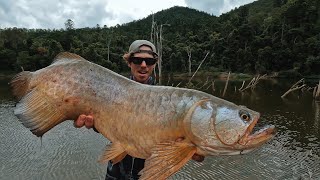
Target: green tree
x: 69, y: 24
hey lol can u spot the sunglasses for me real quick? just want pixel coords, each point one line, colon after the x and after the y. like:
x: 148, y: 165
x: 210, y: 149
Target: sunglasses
x: 139, y: 60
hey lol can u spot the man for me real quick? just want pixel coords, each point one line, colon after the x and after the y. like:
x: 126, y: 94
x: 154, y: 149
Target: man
x: 141, y: 59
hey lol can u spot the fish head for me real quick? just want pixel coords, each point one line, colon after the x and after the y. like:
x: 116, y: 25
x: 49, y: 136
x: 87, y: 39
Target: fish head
x: 224, y: 128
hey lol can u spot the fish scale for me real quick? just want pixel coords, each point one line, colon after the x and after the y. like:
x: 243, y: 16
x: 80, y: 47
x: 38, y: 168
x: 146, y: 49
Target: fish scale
x: 164, y: 125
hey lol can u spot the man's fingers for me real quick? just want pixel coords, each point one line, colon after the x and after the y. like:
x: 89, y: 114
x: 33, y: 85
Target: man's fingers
x: 89, y: 121
x: 198, y: 158
x: 80, y: 121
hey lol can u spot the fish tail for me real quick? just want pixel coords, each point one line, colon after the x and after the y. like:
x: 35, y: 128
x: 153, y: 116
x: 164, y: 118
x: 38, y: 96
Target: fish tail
x: 20, y: 84
x: 37, y: 113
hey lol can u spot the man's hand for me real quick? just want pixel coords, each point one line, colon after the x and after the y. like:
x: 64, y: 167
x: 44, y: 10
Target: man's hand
x: 84, y: 120
x: 198, y: 157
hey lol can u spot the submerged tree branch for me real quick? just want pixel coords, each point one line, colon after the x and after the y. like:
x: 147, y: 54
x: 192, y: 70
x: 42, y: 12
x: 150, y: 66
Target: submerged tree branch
x: 198, y: 67
x: 295, y: 87
x: 316, y: 92
x: 253, y: 83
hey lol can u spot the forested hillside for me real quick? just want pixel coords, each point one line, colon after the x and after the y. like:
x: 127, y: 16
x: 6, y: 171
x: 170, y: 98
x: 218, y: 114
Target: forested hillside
x: 262, y: 37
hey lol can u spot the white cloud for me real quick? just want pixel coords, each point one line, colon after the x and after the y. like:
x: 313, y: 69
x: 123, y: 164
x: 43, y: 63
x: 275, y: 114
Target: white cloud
x: 231, y: 4
x: 52, y: 14
x: 87, y: 13
x: 125, y: 11
x: 216, y: 7
x: 84, y: 13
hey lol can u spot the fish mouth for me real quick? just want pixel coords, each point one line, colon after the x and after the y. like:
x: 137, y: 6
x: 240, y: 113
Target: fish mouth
x: 253, y: 139
x: 247, y: 143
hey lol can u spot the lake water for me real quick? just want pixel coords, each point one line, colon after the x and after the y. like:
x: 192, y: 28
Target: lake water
x: 69, y: 153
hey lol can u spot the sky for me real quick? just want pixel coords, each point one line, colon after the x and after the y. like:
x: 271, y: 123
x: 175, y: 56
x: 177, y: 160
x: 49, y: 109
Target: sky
x: 52, y: 14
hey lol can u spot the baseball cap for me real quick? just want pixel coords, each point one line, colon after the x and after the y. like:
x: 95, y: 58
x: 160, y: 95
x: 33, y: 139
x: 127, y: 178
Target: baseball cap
x: 135, y: 46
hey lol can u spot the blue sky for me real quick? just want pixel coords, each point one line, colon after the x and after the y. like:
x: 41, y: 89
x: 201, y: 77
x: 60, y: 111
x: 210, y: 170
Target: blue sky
x: 49, y: 14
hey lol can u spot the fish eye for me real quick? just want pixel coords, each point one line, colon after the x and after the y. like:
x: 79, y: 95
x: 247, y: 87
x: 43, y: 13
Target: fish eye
x: 245, y: 116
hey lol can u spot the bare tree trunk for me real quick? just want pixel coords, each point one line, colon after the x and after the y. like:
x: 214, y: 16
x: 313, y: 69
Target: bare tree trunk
x: 198, y: 67
x: 156, y: 39
x: 316, y: 92
x: 253, y: 83
x: 242, y: 85
x: 155, y: 74
x: 189, y: 60
x: 316, y: 114
x: 213, y: 88
x: 160, y: 55
x: 294, y: 87
x: 225, y: 87
x: 108, y: 43
x: 152, y: 29
x: 109, y: 40
x: 204, y: 84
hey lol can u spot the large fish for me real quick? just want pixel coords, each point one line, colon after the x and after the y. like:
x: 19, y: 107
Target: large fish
x: 141, y: 120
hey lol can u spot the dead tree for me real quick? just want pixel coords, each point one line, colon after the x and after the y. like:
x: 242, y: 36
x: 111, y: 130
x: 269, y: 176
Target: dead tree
x: 169, y: 78
x: 189, y: 61
x: 298, y: 85
x: 317, y: 114
x: 157, y: 38
x: 108, y: 43
x: 212, y: 86
x: 208, y: 87
x: 198, y: 67
x: 153, y: 24
x: 204, y: 84
x: 226, y: 85
x: 252, y: 84
x: 242, y: 85
x: 316, y: 92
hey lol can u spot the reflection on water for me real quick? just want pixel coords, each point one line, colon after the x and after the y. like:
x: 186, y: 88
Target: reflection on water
x: 69, y: 153
x: 316, y: 107
x: 65, y: 153
x: 5, y: 94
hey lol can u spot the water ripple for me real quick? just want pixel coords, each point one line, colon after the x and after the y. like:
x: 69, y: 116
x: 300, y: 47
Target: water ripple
x: 272, y: 161
x: 69, y: 153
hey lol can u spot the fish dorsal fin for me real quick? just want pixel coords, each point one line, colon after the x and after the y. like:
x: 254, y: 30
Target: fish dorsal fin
x: 37, y: 113
x: 114, y: 152
x: 166, y: 159
x: 67, y: 55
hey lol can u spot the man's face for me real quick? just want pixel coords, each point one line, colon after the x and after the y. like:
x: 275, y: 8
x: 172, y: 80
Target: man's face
x: 141, y: 72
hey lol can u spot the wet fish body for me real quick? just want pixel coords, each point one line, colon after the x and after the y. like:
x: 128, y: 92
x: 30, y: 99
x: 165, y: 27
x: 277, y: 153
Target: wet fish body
x: 141, y: 120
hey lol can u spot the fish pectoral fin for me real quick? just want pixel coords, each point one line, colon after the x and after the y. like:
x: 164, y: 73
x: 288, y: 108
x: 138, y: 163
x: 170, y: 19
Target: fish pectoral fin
x: 37, y: 113
x: 114, y: 152
x: 118, y: 158
x: 166, y: 159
